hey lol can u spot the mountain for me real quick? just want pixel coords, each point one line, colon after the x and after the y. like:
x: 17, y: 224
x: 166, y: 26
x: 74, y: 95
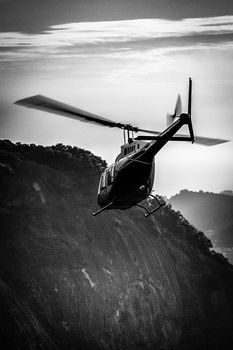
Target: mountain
x: 210, y: 213
x: 228, y: 192
x: 69, y: 280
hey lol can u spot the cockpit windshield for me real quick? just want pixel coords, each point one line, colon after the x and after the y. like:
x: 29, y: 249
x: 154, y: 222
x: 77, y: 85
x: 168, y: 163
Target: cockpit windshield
x: 106, y: 178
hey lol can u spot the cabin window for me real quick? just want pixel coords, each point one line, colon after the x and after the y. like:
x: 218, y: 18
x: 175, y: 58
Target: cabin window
x: 130, y: 149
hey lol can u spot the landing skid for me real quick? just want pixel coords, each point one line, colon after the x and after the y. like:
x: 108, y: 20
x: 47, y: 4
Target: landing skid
x: 149, y: 212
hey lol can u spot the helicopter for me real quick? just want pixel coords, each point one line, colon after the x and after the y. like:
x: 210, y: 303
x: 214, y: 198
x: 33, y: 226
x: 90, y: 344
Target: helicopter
x: 129, y: 181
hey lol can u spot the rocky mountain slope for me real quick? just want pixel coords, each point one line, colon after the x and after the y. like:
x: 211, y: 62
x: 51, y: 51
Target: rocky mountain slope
x: 211, y: 213
x: 69, y: 280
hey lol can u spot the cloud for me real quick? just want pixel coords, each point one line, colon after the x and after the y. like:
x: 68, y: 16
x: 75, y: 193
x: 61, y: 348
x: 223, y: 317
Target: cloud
x: 141, y: 29
x: 114, y: 38
x: 123, y: 31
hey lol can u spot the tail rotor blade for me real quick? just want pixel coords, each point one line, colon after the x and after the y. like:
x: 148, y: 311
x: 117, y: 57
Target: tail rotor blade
x: 190, y: 98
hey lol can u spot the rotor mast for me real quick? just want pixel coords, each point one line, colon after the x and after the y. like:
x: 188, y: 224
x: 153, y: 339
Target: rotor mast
x: 127, y: 128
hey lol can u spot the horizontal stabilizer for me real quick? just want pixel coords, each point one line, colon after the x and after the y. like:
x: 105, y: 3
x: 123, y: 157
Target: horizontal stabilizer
x: 205, y: 141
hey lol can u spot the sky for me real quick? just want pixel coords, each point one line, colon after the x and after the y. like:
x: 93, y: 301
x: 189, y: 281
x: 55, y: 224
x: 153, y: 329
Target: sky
x: 126, y: 61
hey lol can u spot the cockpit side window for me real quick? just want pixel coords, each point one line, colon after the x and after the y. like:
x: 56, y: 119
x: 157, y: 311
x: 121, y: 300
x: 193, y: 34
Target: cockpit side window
x: 110, y: 175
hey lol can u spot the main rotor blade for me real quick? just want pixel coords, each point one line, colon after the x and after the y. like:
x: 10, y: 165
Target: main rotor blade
x: 49, y: 105
x: 52, y: 106
x: 205, y: 141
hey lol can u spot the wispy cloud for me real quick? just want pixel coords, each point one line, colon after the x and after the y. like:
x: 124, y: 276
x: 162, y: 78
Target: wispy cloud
x: 112, y: 37
x: 141, y: 29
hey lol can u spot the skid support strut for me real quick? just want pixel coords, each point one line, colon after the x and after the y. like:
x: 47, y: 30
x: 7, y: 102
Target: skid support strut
x: 149, y: 212
x: 102, y: 209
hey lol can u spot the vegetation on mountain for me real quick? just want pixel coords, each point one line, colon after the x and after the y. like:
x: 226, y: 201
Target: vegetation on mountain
x: 69, y: 280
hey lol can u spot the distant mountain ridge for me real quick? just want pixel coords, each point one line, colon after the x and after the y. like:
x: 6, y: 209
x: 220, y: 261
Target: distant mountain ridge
x: 227, y: 192
x: 211, y: 213
x: 69, y: 280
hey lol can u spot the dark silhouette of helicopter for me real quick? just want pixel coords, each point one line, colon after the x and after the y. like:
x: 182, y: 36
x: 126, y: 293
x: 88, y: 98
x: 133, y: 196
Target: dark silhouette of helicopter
x: 130, y: 179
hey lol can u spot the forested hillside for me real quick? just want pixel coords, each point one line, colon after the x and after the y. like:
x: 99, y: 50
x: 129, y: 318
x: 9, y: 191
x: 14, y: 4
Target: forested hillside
x: 211, y: 213
x: 117, y: 281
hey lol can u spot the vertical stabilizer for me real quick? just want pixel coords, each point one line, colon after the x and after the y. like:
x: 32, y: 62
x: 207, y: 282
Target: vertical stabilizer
x: 177, y: 112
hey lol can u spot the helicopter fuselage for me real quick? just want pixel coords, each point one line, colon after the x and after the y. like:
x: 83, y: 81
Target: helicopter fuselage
x: 129, y: 180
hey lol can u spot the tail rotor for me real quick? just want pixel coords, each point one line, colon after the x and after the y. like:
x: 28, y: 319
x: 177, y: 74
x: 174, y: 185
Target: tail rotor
x: 190, y: 126
x: 178, y: 112
x: 190, y: 98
